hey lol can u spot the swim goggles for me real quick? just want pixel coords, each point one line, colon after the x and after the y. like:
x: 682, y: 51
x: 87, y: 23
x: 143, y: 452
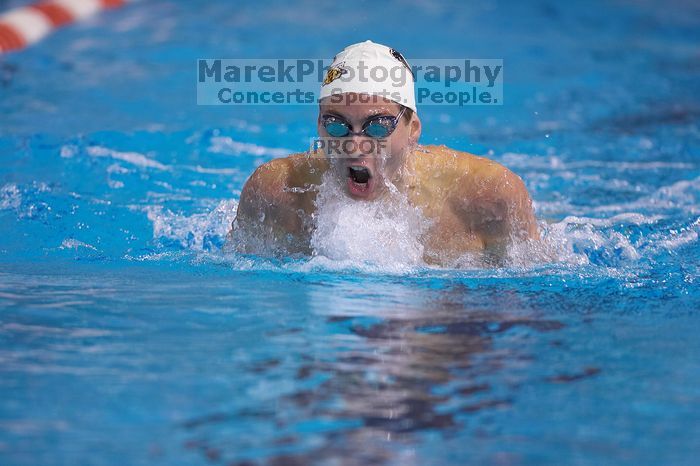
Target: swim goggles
x: 375, y: 127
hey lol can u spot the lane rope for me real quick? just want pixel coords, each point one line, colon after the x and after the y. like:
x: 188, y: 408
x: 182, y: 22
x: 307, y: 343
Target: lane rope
x: 26, y: 25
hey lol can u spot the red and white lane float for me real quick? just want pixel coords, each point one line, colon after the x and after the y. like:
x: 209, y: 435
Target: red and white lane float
x: 26, y: 25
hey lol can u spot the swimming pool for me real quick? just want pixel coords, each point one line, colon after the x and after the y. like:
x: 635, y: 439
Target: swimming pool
x: 127, y: 337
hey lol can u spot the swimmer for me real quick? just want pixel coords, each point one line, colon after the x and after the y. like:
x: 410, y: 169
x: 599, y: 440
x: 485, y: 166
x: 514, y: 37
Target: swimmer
x: 369, y: 135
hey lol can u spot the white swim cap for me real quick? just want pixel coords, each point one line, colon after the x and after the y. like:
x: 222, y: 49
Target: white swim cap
x: 374, y: 69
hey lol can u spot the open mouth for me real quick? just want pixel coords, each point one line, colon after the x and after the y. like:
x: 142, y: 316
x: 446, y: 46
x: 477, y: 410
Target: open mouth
x: 359, y: 175
x: 360, y: 182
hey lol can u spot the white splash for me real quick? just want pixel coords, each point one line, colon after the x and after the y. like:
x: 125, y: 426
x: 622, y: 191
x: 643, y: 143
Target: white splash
x: 226, y: 145
x: 384, y: 236
x: 682, y: 194
x: 133, y: 158
x: 677, y: 238
x: 10, y: 196
x: 585, y: 240
x: 70, y: 243
x: 556, y: 163
x: 193, y: 231
x: 385, y: 232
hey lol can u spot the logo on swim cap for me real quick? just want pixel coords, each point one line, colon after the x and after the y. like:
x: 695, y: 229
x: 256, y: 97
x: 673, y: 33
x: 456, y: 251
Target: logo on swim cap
x: 334, y: 72
x: 396, y: 54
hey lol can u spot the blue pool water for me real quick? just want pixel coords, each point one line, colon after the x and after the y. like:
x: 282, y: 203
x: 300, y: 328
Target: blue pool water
x: 128, y: 337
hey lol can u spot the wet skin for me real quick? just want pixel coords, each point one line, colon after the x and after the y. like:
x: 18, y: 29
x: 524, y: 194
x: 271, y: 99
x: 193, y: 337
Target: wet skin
x: 473, y: 203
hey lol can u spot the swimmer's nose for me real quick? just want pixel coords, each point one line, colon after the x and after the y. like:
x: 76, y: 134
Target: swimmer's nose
x: 361, y: 146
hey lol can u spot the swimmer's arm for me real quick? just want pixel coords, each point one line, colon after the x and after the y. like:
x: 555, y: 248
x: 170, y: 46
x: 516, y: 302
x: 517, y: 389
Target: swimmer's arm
x: 497, y: 207
x: 267, y: 211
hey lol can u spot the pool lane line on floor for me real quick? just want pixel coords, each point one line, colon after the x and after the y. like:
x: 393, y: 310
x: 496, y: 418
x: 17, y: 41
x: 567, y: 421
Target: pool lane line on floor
x: 26, y: 25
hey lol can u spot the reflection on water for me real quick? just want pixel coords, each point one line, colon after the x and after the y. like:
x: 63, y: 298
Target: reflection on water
x: 385, y: 374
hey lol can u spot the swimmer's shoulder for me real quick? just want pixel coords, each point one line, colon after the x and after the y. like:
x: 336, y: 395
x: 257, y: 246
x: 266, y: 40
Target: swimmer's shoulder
x: 474, y: 176
x: 307, y: 163
x: 286, y: 171
x: 448, y: 158
x: 479, y: 181
x: 274, y: 182
x: 455, y: 166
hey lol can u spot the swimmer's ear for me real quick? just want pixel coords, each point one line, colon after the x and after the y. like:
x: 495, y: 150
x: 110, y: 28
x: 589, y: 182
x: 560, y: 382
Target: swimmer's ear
x: 414, y: 128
